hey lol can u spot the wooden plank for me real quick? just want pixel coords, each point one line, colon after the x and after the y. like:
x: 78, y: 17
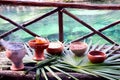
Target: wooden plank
x: 62, y: 4
x: 19, y: 75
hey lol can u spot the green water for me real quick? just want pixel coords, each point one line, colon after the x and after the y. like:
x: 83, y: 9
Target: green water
x: 48, y: 27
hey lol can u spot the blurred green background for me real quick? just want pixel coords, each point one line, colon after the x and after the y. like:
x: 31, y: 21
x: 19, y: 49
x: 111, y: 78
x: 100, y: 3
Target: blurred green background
x: 48, y: 27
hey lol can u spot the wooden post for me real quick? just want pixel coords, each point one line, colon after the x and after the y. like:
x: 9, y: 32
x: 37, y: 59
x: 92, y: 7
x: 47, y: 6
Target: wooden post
x: 60, y: 23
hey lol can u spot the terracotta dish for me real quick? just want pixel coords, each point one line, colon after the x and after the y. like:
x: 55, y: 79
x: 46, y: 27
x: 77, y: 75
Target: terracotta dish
x: 78, y: 48
x: 96, y: 56
x: 55, y: 48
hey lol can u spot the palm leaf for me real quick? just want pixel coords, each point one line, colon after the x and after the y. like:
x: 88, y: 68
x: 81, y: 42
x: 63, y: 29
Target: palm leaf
x: 107, y: 76
x: 82, y: 70
x: 100, y: 47
x: 75, y: 69
x: 44, y: 73
x: 63, y: 72
x: 115, y: 61
x: 69, y: 59
x: 89, y: 46
x: 114, y: 57
x: 110, y: 47
x: 95, y: 46
x: 113, y: 51
x: 53, y: 73
x: 109, y: 69
x: 41, y: 64
x: 37, y: 74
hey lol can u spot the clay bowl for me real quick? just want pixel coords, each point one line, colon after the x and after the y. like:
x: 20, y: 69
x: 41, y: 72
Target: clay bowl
x: 96, y: 56
x: 55, y: 48
x: 78, y: 48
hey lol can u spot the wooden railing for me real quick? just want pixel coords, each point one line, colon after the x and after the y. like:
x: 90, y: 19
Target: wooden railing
x: 60, y: 8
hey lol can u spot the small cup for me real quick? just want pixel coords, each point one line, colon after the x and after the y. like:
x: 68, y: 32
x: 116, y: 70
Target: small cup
x: 78, y: 48
x: 96, y: 56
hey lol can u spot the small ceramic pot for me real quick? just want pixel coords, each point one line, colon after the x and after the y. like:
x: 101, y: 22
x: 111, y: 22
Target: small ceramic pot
x: 15, y: 52
x: 39, y: 49
x: 96, y: 56
x: 78, y: 48
x: 55, y: 48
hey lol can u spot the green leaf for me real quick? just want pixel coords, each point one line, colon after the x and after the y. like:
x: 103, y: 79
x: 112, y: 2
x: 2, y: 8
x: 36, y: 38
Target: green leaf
x: 115, y: 61
x: 110, y: 71
x: 113, y: 51
x: 53, y: 73
x: 100, y: 47
x: 89, y: 71
x: 37, y: 74
x: 77, y: 69
x: 68, y: 68
x: 41, y: 64
x: 84, y: 72
x: 113, y: 57
x: 105, y: 75
x: 63, y: 72
x: 115, y: 67
x: 44, y: 74
x: 110, y: 47
x: 65, y: 64
x: 89, y: 46
x: 69, y: 59
x: 95, y: 46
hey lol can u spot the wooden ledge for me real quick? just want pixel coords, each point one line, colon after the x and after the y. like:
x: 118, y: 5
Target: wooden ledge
x: 19, y: 75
